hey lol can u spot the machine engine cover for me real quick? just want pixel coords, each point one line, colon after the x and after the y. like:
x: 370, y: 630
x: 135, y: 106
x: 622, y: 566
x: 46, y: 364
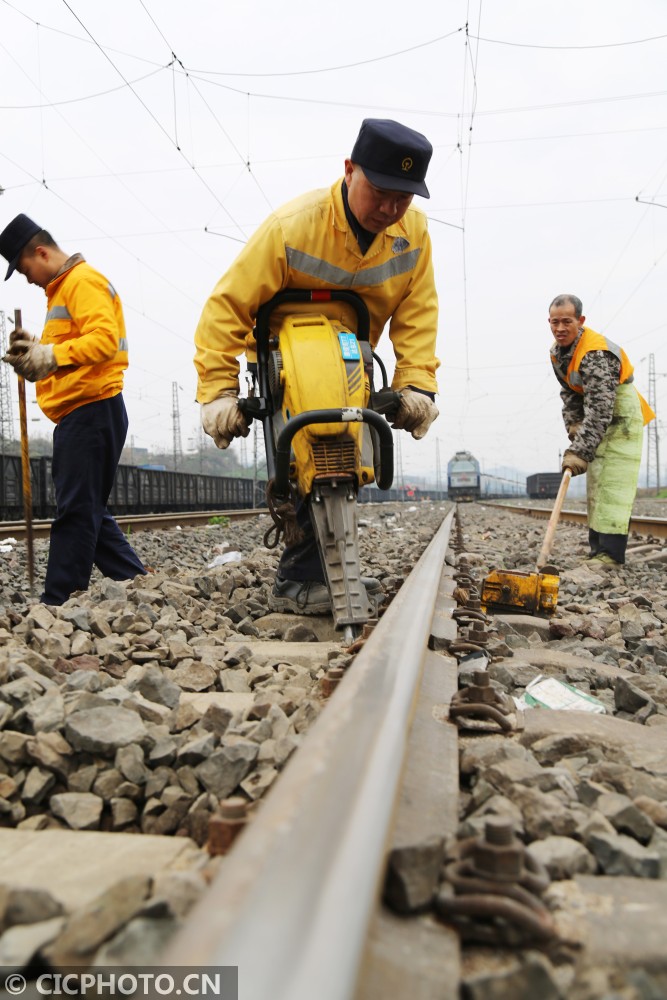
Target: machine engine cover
x: 321, y: 367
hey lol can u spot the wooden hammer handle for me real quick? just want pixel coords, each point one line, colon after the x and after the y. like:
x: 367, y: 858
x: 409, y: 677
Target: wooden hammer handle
x: 553, y: 520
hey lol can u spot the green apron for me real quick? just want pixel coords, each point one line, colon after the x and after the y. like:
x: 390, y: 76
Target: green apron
x: 611, y: 479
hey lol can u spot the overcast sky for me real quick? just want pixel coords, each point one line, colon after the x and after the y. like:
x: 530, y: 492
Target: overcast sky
x: 155, y: 137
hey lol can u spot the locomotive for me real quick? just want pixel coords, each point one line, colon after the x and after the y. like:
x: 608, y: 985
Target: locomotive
x: 463, y: 478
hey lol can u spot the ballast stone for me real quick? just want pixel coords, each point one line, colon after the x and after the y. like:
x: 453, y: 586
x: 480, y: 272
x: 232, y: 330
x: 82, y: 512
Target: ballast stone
x: 563, y: 857
x: 105, y: 730
x: 80, y: 810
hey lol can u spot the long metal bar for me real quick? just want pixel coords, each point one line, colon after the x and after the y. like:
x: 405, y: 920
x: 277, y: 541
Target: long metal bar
x: 25, y: 468
x: 292, y: 904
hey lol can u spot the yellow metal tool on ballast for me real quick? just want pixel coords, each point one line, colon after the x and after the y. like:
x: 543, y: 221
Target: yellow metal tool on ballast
x: 532, y: 593
x: 325, y: 431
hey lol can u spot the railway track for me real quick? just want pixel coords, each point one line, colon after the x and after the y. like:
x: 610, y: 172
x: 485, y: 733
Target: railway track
x: 352, y: 877
x: 639, y: 525
x: 334, y: 813
x: 141, y: 522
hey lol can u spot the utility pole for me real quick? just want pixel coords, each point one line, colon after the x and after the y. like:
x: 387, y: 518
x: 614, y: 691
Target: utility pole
x: 6, y: 418
x: 653, y: 442
x: 176, y: 424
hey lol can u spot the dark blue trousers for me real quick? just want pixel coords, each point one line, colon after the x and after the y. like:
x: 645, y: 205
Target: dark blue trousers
x: 87, y: 445
x: 302, y: 561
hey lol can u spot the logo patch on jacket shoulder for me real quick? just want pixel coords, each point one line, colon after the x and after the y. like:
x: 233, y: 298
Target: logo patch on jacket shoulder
x: 400, y: 244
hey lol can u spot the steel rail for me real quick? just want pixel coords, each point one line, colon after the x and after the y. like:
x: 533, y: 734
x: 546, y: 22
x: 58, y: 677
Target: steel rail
x: 656, y: 526
x: 291, y: 905
x: 139, y: 522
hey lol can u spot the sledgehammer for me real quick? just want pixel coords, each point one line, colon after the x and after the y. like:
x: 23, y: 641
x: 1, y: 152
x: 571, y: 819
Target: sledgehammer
x: 530, y: 593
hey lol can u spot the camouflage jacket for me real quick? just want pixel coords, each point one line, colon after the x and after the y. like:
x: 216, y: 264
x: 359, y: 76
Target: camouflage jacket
x: 593, y: 409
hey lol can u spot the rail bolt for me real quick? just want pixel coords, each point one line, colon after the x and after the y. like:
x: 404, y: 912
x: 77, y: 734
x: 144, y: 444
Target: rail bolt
x: 331, y: 680
x: 225, y: 826
x: 481, y: 690
x: 476, y: 632
x: 498, y: 855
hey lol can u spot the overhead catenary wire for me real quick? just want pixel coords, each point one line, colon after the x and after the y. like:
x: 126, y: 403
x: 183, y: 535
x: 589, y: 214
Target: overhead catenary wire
x: 503, y: 199
x: 341, y: 67
x: 153, y: 117
x: 176, y: 60
x: 84, y: 97
x: 85, y: 142
x: 572, y: 48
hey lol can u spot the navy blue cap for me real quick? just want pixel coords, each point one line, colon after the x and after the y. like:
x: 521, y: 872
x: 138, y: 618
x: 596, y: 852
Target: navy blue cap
x: 393, y: 156
x: 14, y: 238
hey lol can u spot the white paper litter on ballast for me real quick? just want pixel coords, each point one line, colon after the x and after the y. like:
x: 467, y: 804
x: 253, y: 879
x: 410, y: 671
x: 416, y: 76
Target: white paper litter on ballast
x: 548, y: 692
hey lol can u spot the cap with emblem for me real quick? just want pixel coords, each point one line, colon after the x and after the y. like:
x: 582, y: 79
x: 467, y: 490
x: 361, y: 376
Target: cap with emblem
x: 393, y: 156
x: 14, y: 238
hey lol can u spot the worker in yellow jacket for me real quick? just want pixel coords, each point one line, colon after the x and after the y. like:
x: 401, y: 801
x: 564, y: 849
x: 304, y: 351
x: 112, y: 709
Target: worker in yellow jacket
x: 78, y: 367
x: 604, y: 416
x: 362, y: 234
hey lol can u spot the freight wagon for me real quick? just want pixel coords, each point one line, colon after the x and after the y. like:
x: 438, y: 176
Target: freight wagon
x: 135, y: 491
x: 543, y: 485
x: 151, y: 490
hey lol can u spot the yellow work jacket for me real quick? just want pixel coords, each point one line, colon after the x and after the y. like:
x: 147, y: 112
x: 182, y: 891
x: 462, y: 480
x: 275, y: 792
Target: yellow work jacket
x: 308, y: 243
x: 592, y: 341
x: 84, y: 322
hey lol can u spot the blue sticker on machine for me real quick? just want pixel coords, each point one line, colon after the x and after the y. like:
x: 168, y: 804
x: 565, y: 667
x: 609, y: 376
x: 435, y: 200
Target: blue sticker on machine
x: 349, y: 347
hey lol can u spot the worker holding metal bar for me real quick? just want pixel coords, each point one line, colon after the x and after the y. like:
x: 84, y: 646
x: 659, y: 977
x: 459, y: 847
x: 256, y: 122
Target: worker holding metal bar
x: 361, y: 234
x: 604, y: 416
x: 78, y: 367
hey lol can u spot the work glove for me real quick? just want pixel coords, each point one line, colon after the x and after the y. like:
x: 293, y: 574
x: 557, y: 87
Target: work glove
x: 575, y: 463
x: 573, y: 430
x: 24, y: 337
x: 31, y: 359
x: 416, y: 413
x: 222, y: 419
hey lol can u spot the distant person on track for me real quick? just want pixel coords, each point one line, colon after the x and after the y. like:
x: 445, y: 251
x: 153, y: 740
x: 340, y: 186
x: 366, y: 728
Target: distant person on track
x: 363, y: 234
x: 604, y: 416
x: 78, y: 366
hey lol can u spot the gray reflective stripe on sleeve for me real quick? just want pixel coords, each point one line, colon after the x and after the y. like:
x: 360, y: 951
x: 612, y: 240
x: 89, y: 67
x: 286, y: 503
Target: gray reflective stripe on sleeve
x: 315, y: 267
x: 58, y: 312
x: 613, y: 348
x: 112, y: 291
x: 575, y: 379
x: 616, y: 351
x: 122, y: 344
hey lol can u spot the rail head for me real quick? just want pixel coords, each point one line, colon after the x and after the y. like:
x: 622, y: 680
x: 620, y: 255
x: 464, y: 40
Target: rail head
x: 301, y: 884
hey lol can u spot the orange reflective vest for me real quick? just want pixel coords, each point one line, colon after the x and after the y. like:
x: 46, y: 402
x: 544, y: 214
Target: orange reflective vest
x: 592, y: 341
